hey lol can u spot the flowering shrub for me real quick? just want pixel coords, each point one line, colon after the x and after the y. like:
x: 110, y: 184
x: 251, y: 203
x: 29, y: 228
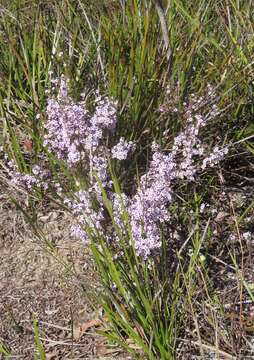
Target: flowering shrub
x: 82, y: 141
x: 131, y: 231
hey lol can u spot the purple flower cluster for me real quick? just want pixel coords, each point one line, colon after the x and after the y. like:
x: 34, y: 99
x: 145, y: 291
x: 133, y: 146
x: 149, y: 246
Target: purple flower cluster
x: 66, y: 127
x: 105, y: 114
x: 215, y: 157
x: 120, y: 151
x: 72, y: 134
x: 38, y: 178
x: 88, y: 220
x: 148, y: 208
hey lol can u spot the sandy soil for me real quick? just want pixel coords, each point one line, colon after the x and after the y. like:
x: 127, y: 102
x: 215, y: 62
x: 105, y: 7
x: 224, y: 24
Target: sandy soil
x: 34, y: 286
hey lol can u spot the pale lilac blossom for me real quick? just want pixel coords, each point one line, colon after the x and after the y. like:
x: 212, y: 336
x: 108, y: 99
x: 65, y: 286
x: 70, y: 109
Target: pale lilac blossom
x: 120, y: 151
x: 38, y: 178
x: 215, y: 157
x: 71, y: 132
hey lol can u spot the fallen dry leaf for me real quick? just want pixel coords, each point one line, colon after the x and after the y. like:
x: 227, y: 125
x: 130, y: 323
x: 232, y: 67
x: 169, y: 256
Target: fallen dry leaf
x: 101, y: 348
x: 79, y: 331
x: 52, y: 355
